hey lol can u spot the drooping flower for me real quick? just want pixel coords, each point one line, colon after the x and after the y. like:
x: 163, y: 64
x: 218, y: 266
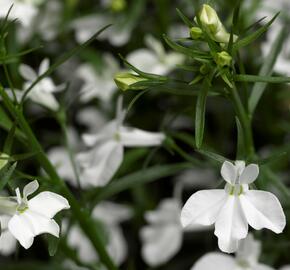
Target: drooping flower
x: 246, y: 258
x: 98, y: 85
x: 42, y: 92
x: 32, y: 217
x: 110, y: 215
x: 231, y: 209
x: 154, y: 59
x: 105, y: 155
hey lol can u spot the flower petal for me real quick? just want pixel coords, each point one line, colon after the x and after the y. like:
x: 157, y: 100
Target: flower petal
x: 263, y: 210
x: 44, y: 66
x: 249, y: 174
x: 30, y: 188
x: 160, y: 243
x: 203, y: 207
x: 21, y: 230
x: 231, y: 222
x: 229, y: 172
x: 213, y: 261
x: 228, y: 245
x: 48, y: 204
x: 27, y: 72
x: 7, y: 240
x: 133, y: 137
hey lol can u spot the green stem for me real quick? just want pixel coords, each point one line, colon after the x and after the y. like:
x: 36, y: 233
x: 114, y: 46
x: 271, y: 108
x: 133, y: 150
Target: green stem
x: 82, y: 216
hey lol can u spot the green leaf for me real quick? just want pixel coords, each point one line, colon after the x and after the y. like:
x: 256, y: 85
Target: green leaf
x: 253, y: 36
x: 258, y: 78
x: 6, y: 173
x: 138, y: 178
x: 266, y: 69
x: 200, y: 113
x: 273, y: 158
x: 213, y: 156
x: 9, y: 140
x: 62, y: 60
x: 234, y: 26
x: 240, y: 141
x: 184, y: 18
x: 53, y: 243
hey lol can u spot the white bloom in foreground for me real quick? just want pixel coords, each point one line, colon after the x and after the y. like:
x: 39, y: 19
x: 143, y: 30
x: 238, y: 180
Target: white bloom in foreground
x: 155, y: 59
x: 110, y: 214
x: 162, y: 238
x: 98, y: 85
x: 102, y: 160
x: 42, y: 92
x: 231, y: 209
x: 246, y: 258
x: 32, y: 217
x: 23, y: 11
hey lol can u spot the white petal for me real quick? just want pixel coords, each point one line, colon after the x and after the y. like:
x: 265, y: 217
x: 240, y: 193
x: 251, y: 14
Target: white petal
x: 203, y: 207
x: 133, y: 137
x: 7, y: 240
x: 263, y: 210
x: 229, y: 172
x: 21, y: 229
x: 44, y: 66
x: 48, y: 204
x: 214, y: 261
x: 249, y: 174
x: 228, y: 245
x: 160, y: 243
x: 27, y: 72
x: 231, y: 222
x: 43, y: 98
x: 101, y: 163
x: 30, y: 188
x: 286, y: 267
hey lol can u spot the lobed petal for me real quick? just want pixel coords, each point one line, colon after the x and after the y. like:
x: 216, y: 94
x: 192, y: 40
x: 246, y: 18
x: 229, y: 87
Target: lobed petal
x: 249, y: 174
x: 229, y: 172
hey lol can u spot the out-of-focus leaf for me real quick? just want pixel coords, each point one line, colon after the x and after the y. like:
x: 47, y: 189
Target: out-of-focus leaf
x: 53, y: 243
x: 9, y: 140
x: 266, y: 70
x: 184, y: 18
x: 273, y: 158
x: 212, y: 155
x: 263, y: 79
x: 6, y: 173
x: 253, y: 36
x: 240, y: 141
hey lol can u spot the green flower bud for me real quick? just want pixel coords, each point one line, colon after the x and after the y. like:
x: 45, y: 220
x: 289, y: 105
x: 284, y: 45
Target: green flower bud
x: 118, y: 5
x: 195, y: 32
x: 223, y: 59
x: 124, y: 81
x: 204, y: 69
x: 213, y: 26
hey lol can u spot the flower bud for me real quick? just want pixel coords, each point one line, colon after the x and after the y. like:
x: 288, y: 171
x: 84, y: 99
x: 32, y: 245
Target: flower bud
x: 195, y: 32
x: 118, y: 5
x: 125, y: 81
x: 212, y: 25
x: 223, y: 59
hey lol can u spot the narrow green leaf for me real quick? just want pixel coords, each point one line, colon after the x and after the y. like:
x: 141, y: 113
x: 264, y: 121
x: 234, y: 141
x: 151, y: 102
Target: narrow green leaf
x: 184, y: 18
x: 138, y: 178
x: 62, y: 60
x: 240, y: 141
x: 6, y: 173
x: 213, y: 156
x: 258, y: 78
x: 253, y: 36
x: 200, y: 113
x: 234, y: 26
x: 273, y: 158
x: 53, y: 243
x: 9, y: 140
x: 267, y: 69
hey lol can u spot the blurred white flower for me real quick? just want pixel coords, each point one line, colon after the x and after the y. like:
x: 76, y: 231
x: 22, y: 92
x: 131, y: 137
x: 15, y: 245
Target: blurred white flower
x: 23, y: 10
x: 246, y: 258
x: 110, y: 214
x: 118, y: 34
x: 32, y: 217
x: 162, y: 238
x: 98, y: 85
x: 234, y: 207
x: 286, y: 267
x: 7, y: 240
x: 154, y: 59
x: 101, y: 161
x: 42, y: 92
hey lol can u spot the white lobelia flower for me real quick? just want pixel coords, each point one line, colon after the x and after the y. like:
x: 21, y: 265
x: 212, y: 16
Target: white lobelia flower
x: 162, y: 238
x: 7, y: 241
x: 23, y: 10
x: 32, y: 217
x: 105, y: 155
x: 110, y: 215
x: 42, y: 92
x: 117, y: 35
x: 98, y: 85
x: 246, y: 258
x: 154, y: 59
x: 231, y: 209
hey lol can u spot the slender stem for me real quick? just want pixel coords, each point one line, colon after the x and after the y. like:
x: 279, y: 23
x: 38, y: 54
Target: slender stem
x: 82, y: 216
